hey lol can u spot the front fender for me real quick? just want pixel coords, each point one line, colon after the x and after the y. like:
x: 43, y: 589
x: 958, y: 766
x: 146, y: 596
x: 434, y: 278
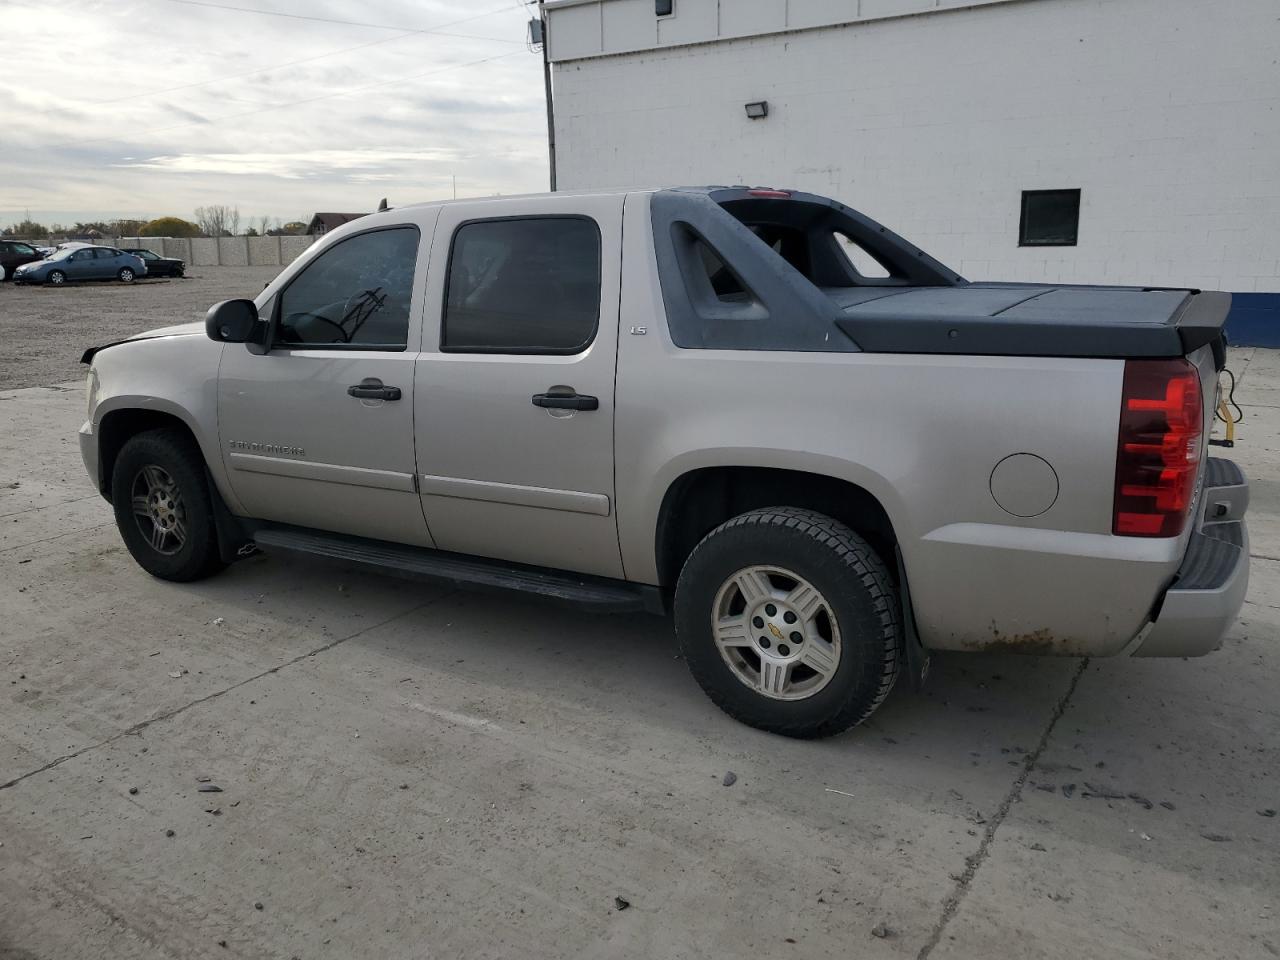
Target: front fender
x: 175, y: 376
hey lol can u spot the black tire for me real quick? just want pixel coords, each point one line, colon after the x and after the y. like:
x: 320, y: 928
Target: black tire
x: 57, y: 277
x: 858, y: 591
x: 176, y: 454
x: 126, y: 275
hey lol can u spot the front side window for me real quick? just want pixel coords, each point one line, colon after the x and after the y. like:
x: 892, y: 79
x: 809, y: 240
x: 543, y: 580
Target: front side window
x: 525, y: 285
x: 22, y: 248
x: 355, y: 293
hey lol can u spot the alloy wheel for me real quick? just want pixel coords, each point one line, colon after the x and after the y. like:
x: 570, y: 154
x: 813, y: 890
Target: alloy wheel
x: 158, y: 510
x: 776, y: 632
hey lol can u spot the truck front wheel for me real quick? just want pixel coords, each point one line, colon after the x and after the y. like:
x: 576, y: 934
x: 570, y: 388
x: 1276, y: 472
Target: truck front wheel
x: 790, y: 622
x: 161, y: 499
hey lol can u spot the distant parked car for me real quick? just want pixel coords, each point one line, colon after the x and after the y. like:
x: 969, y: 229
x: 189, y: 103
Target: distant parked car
x: 158, y: 266
x: 83, y: 263
x: 14, y: 254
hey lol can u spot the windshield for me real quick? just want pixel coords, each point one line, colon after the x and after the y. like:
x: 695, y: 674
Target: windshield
x: 62, y: 254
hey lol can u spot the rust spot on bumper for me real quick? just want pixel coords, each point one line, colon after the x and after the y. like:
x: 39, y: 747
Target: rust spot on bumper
x: 1040, y: 642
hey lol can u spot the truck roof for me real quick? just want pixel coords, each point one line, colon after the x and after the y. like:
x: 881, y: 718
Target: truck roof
x: 598, y: 192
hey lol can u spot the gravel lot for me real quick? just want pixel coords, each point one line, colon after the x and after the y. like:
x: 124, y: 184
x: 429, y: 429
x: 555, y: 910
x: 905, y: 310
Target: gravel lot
x: 407, y: 771
x: 45, y: 329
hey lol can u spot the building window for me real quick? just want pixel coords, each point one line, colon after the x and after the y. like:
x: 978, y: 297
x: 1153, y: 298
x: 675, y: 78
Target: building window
x: 664, y: 8
x: 1050, y: 218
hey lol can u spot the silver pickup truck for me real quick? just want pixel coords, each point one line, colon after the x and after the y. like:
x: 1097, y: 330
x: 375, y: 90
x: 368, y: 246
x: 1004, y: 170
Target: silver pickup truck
x: 821, y: 451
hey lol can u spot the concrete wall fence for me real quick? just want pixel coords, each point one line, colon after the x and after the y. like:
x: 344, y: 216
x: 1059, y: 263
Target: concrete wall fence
x: 221, y: 251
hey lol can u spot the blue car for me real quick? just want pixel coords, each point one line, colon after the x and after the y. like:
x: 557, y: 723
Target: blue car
x: 83, y: 263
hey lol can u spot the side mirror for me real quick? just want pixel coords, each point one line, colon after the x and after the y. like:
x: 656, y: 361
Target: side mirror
x: 234, y: 321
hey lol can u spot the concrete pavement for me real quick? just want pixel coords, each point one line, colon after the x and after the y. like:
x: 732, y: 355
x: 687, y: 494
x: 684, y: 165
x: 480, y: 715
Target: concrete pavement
x: 407, y: 771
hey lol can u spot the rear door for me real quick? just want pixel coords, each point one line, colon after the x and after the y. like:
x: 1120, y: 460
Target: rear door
x: 514, y: 389
x: 106, y: 263
x: 110, y: 262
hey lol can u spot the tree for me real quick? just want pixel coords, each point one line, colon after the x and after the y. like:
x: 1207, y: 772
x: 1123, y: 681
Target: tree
x: 264, y: 225
x: 218, y: 220
x: 169, y: 227
x: 126, y: 227
x: 27, y: 229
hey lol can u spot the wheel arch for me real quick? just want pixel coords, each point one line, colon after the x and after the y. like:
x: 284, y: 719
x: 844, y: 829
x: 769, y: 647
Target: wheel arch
x: 118, y: 425
x: 701, y: 499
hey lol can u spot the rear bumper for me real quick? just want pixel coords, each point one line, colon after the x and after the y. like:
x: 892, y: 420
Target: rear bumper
x: 1206, y: 594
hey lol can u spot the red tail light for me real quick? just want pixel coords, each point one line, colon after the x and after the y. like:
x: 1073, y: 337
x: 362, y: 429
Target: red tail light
x: 1161, y: 426
x: 770, y: 193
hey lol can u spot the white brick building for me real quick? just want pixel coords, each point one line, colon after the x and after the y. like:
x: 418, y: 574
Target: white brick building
x: 934, y: 116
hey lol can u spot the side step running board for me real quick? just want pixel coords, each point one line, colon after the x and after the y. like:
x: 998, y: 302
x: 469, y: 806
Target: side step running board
x: 597, y: 593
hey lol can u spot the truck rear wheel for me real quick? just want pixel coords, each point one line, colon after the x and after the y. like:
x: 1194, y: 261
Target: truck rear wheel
x: 789, y: 621
x: 160, y: 494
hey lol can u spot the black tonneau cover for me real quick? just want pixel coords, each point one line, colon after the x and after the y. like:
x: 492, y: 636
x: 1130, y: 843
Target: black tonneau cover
x: 1021, y: 320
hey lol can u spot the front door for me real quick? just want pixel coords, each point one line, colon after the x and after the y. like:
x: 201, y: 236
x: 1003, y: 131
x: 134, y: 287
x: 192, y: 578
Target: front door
x: 80, y: 265
x: 317, y: 431
x: 514, y: 389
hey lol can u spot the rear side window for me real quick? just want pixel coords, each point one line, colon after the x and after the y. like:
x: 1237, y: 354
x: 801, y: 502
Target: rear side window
x: 522, y: 285
x: 862, y: 261
x: 356, y: 293
x: 724, y: 282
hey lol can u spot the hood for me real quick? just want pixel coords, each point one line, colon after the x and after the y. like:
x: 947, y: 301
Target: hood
x: 178, y: 330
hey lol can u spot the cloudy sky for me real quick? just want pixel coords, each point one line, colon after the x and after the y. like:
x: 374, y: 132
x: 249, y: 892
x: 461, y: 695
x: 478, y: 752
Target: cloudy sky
x: 141, y: 108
